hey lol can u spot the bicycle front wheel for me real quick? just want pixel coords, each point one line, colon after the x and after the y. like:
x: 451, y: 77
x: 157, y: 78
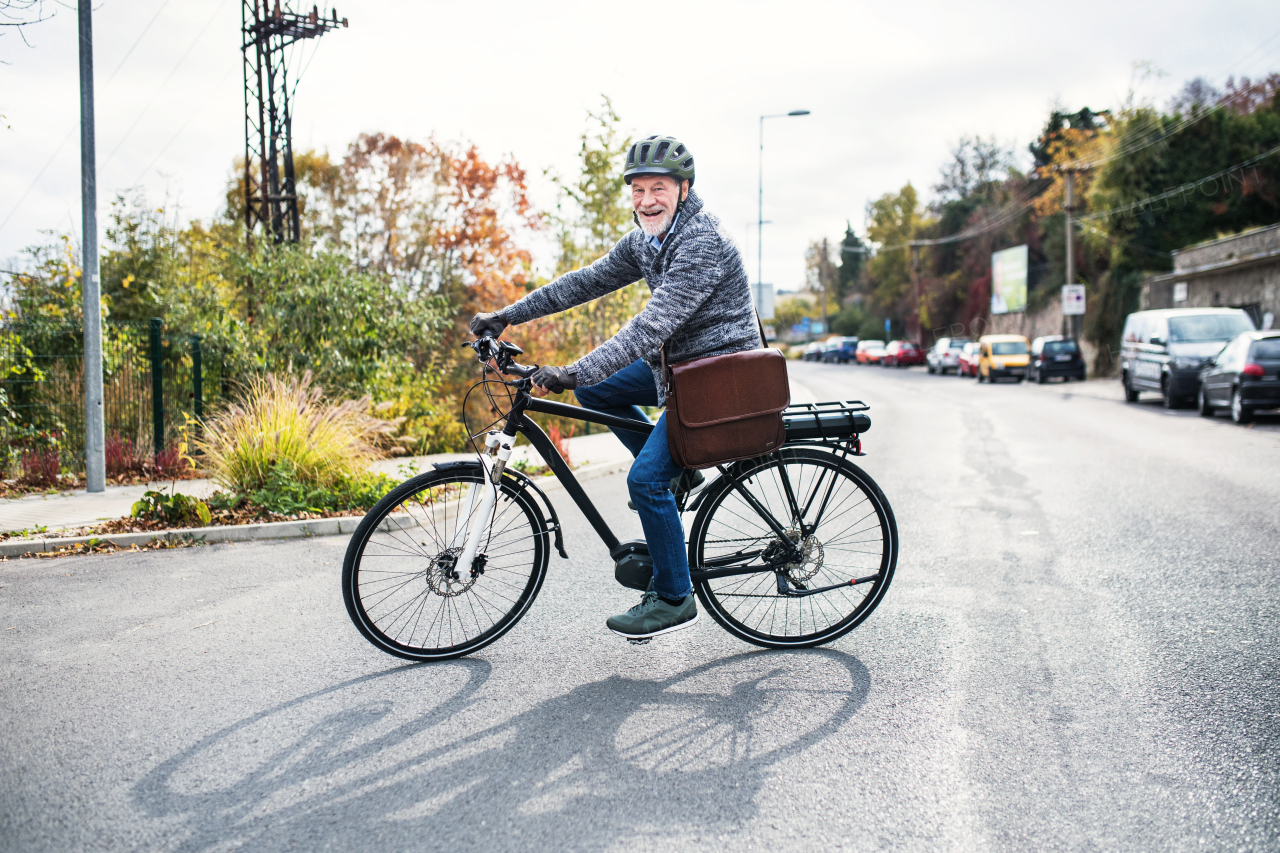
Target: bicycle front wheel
x: 401, y: 581
x: 828, y: 506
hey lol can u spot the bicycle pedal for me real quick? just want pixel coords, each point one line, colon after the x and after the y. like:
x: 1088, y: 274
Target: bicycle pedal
x: 643, y: 641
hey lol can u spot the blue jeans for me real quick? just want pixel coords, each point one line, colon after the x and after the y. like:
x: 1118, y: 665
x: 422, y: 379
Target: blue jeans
x: 649, y: 481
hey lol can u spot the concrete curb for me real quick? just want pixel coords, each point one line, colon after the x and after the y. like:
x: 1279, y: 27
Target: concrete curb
x: 265, y: 530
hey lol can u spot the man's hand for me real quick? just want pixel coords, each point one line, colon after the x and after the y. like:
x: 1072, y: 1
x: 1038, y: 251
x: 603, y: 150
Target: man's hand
x: 554, y: 379
x: 488, y: 325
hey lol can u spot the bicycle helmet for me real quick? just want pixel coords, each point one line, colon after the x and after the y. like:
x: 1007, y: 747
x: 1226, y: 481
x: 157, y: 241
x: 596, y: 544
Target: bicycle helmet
x: 659, y: 155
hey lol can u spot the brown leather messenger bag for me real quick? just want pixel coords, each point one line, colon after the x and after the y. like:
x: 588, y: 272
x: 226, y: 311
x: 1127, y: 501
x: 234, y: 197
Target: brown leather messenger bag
x: 726, y: 407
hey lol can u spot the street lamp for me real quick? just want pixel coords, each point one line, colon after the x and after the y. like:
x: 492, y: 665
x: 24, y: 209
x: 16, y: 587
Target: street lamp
x: 760, y: 223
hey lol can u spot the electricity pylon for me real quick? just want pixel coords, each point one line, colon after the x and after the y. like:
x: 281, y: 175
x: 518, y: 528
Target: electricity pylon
x: 270, y: 193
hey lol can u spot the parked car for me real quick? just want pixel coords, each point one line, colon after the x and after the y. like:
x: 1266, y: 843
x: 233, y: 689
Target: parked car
x: 1055, y: 355
x: 1164, y: 349
x: 967, y: 363
x: 812, y: 351
x: 869, y: 352
x: 944, y: 355
x: 902, y: 354
x: 839, y: 350
x: 1003, y: 357
x: 1244, y: 376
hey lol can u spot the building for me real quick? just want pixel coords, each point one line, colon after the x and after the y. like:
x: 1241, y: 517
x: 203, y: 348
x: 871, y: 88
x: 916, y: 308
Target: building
x: 1240, y: 271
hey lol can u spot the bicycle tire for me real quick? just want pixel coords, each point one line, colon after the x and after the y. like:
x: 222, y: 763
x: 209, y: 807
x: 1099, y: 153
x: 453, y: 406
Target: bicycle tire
x: 749, y: 606
x: 390, y: 590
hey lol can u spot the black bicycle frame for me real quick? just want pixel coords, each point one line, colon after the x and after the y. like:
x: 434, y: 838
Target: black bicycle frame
x: 518, y: 423
x: 556, y: 462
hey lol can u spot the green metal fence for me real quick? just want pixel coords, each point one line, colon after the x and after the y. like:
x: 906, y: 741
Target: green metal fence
x: 153, y: 378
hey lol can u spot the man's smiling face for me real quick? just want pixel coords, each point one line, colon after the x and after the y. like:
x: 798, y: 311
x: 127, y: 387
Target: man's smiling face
x: 654, y: 199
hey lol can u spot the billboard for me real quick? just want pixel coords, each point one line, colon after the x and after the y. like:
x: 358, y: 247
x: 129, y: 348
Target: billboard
x: 1009, y: 280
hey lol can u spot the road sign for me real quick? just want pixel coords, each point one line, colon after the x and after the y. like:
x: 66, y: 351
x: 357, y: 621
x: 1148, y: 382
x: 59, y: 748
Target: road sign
x: 886, y: 328
x: 1072, y: 299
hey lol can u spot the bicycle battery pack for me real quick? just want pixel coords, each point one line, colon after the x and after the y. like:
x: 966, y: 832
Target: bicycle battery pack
x: 633, y: 567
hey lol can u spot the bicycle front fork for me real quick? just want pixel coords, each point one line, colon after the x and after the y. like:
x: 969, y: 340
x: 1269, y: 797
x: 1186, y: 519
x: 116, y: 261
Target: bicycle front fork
x: 483, y: 497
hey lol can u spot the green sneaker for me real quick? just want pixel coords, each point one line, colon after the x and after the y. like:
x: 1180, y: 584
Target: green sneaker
x: 653, y: 616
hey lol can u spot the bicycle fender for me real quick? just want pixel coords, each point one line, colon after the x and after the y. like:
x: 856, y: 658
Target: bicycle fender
x: 522, y: 483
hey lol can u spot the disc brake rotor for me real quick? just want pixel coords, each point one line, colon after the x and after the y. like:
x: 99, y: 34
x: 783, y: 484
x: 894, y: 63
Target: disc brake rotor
x: 445, y: 578
x: 801, y: 570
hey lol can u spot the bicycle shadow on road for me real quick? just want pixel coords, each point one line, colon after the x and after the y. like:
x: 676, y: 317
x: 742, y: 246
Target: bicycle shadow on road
x: 365, y: 763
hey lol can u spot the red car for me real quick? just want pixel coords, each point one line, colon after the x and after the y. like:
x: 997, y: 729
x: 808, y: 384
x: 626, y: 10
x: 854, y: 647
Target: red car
x: 902, y: 354
x: 968, y: 361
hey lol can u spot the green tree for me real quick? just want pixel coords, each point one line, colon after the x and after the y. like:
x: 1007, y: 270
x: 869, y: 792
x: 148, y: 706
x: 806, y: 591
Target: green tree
x: 592, y: 214
x: 853, y: 259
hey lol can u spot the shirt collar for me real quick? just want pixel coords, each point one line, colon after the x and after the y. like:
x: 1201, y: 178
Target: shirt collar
x: 656, y: 242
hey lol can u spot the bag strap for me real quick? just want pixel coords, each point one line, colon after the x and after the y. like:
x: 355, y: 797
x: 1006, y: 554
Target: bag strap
x: 666, y: 375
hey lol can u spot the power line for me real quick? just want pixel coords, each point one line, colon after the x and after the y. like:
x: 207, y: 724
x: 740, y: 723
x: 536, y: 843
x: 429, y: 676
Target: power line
x: 172, y: 71
x: 178, y: 133
x: 1010, y: 214
x: 128, y: 52
x: 1168, y: 194
x: 1159, y: 134
x: 1003, y: 217
x: 72, y: 131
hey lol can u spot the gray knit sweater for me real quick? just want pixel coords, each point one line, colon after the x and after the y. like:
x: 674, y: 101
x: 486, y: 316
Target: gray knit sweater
x: 700, y: 305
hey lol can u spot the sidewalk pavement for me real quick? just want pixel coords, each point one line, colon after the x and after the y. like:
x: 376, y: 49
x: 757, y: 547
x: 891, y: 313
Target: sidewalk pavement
x: 80, y: 509
x: 598, y: 454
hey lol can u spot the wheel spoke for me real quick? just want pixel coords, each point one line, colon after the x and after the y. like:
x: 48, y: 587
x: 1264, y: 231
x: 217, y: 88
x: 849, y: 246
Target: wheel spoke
x: 410, y: 598
x: 849, y: 534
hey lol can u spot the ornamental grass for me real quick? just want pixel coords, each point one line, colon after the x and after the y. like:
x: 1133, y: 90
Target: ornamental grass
x: 277, y: 421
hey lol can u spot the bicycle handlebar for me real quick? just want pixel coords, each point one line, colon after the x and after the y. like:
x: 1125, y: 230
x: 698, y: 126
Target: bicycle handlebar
x: 502, y: 354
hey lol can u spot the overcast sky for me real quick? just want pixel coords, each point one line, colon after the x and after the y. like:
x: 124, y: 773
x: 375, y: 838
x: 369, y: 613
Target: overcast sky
x: 891, y: 86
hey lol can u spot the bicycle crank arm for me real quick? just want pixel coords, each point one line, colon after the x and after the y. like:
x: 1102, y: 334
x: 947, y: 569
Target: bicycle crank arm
x: 785, y: 589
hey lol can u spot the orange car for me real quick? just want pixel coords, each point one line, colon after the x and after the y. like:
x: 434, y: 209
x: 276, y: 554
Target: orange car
x: 869, y: 352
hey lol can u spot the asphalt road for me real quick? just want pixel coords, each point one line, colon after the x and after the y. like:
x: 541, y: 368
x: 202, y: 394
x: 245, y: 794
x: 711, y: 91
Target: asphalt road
x: 1078, y: 652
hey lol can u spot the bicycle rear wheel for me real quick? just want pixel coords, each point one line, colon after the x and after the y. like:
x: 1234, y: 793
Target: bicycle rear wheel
x: 844, y: 526
x: 400, y: 581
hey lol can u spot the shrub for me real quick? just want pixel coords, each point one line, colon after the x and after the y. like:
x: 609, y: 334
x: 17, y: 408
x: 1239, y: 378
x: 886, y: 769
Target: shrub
x: 169, y: 463
x: 122, y: 456
x: 172, y: 509
x: 41, y: 467
x: 274, y: 422
x: 285, y: 494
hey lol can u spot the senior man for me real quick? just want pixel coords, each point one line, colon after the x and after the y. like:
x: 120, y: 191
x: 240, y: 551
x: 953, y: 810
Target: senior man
x: 700, y: 306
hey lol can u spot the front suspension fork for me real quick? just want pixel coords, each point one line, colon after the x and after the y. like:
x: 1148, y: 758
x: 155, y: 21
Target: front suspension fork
x: 483, y: 497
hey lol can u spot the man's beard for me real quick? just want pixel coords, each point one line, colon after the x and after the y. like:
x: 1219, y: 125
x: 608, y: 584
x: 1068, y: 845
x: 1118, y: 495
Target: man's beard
x: 656, y: 227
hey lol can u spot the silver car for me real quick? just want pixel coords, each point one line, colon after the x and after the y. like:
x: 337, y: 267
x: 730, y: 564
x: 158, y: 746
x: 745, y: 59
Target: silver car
x: 944, y: 356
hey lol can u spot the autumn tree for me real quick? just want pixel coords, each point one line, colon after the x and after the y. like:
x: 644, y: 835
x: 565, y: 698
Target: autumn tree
x: 821, y: 277
x: 893, y: 220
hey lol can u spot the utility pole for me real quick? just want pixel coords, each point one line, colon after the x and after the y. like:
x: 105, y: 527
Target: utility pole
x: 760, y: 212
x: 915, y: 280
x: 270, y: 189
x: 95, y: 465
x: 1068, y: 208
x: 822, y: 280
